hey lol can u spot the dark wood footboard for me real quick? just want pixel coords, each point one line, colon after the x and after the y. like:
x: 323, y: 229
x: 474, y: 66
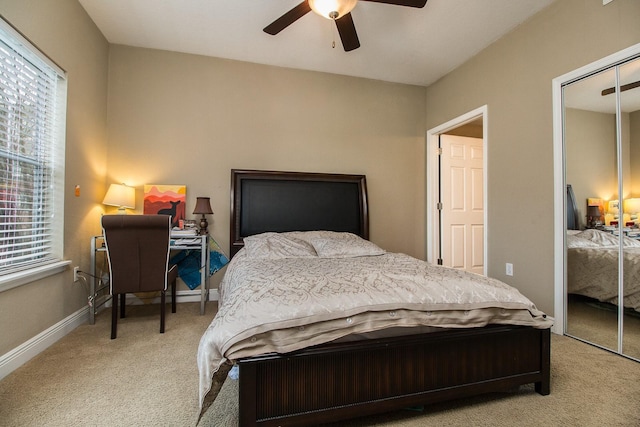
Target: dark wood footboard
x: 341, y: 381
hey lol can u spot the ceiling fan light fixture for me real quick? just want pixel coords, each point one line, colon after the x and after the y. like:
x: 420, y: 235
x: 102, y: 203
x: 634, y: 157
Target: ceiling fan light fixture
x: 332, y: 9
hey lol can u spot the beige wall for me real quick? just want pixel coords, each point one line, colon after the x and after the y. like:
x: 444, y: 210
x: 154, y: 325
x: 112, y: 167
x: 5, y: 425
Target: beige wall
x: 185, y: 119
x: 634, y: 163
x: 513, y: 78
x: 591, y: 156
x: 62, y: 30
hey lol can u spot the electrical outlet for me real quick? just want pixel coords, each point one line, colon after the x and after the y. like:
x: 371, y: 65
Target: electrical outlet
x: 76, y: 270
x: 509, y: 269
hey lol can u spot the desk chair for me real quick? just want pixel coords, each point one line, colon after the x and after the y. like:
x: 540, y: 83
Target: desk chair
x: 138, y: 255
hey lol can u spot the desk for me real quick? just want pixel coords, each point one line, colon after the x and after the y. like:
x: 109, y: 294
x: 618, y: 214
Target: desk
x: 178, y: 243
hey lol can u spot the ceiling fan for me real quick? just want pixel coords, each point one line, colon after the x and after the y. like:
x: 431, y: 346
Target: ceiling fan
x: 622, y: 88
x: 337, y: 10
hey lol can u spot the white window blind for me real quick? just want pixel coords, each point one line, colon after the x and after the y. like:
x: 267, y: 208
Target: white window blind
x: 32, y: 120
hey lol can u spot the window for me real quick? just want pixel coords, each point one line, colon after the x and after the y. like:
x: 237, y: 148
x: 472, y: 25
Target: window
x: 32, y: 119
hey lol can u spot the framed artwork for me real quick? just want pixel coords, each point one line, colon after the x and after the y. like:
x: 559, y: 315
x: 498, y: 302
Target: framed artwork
x: 592, y: 201
x: 166, y: 200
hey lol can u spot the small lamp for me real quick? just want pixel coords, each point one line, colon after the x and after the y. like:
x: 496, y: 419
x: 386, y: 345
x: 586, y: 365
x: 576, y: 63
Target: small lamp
x: 632, y: 207
x: 203, y: 206
x: 613, y: 209
x: 122, y: 196
x: 593, y: 216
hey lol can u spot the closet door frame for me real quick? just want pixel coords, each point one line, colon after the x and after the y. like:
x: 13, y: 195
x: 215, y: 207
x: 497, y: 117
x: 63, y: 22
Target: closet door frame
x: 611, y: 61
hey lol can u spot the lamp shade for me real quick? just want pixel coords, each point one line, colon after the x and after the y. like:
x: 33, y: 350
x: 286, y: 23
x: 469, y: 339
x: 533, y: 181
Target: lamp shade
x: 632, y: 206
x: 332, y: 9
x: 593, y: 211
x: 203, y: 206
x: 120, y: 195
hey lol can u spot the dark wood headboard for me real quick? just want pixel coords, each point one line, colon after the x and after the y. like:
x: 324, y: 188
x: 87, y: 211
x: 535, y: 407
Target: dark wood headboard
x: 263, y: 201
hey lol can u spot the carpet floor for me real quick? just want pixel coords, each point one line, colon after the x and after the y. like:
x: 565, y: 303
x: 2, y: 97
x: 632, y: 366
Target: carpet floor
x: 144, y: 378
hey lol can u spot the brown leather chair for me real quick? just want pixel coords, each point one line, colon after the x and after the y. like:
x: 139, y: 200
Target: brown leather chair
x: 138, y: 255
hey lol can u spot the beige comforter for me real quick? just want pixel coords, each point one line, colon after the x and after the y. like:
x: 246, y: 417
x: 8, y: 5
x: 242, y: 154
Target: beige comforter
x: 281, y: 305
x: 593, y: 272
x: 592, y: 267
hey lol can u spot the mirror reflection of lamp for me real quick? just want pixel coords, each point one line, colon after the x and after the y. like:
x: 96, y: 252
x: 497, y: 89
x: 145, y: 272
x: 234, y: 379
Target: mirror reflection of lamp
x: 203, y: 206
x: 593, y: 217
x: 122, y: 196
x: 632, y: 208
x: 611, y: 218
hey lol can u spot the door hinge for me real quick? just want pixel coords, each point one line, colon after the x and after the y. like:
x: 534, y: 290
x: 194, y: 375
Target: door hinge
x: 439, y: 206
x: 439, y: 151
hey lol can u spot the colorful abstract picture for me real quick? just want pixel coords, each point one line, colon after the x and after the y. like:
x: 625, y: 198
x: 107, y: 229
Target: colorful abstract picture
x: 166, y: 200
x: 593, y: 201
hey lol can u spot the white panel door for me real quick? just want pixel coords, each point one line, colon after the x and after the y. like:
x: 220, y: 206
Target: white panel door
x: 462, y: 186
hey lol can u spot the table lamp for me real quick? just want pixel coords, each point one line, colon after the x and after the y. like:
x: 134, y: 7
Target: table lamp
x: 593, y: 216
x: 122, y: 196
x: 203, y: 206
x: 632, y: 207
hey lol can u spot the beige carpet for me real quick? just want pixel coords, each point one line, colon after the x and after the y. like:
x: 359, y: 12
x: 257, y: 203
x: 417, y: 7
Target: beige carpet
x: 144, y: 378
x: 596, y: 322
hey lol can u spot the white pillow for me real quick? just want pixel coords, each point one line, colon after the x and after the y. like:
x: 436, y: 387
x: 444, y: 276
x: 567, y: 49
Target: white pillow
x: 332, y: 244
x: 277, y: 246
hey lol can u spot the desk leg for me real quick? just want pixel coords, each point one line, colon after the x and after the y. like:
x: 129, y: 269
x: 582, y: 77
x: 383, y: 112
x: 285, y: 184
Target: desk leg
x: 204, y: 274
x: 92, y: 283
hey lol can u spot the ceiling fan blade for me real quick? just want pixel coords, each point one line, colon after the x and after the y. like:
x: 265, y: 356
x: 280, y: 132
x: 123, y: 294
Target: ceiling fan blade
x: 409, y: 3
x: 622, y: 88
x: 347, y: 31
x: 288, y: 18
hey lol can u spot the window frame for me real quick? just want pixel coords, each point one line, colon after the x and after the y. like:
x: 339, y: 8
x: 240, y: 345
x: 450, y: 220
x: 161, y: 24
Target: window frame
x: 54, y: 262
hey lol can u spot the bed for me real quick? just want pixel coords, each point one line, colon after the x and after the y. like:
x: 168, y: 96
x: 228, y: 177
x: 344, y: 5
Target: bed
x: 593, y: 261
x: 333, y: 358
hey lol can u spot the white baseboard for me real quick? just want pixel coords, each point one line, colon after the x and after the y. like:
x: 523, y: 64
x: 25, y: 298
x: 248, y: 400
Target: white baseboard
x: 20, y: 355
x: 181, y: 296
x: 194, y: 296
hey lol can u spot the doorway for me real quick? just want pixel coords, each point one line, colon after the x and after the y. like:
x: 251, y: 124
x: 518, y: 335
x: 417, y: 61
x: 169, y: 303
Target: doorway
x: 457, y: 193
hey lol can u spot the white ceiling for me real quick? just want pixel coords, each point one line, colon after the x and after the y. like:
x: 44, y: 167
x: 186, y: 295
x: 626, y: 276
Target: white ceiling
x: 586, y: 94
x: 398, y: 44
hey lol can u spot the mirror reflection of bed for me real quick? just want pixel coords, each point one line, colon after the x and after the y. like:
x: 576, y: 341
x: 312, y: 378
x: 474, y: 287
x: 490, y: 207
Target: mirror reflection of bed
x: 592, y: 284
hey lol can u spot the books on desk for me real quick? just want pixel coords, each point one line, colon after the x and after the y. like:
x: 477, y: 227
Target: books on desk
x: 187, y: 236
x: 184, y: 232
x: 185, y: 241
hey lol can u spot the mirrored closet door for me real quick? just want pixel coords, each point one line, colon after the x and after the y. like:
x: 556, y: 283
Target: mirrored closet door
x: 629, y: 76
x: 601, y: 138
